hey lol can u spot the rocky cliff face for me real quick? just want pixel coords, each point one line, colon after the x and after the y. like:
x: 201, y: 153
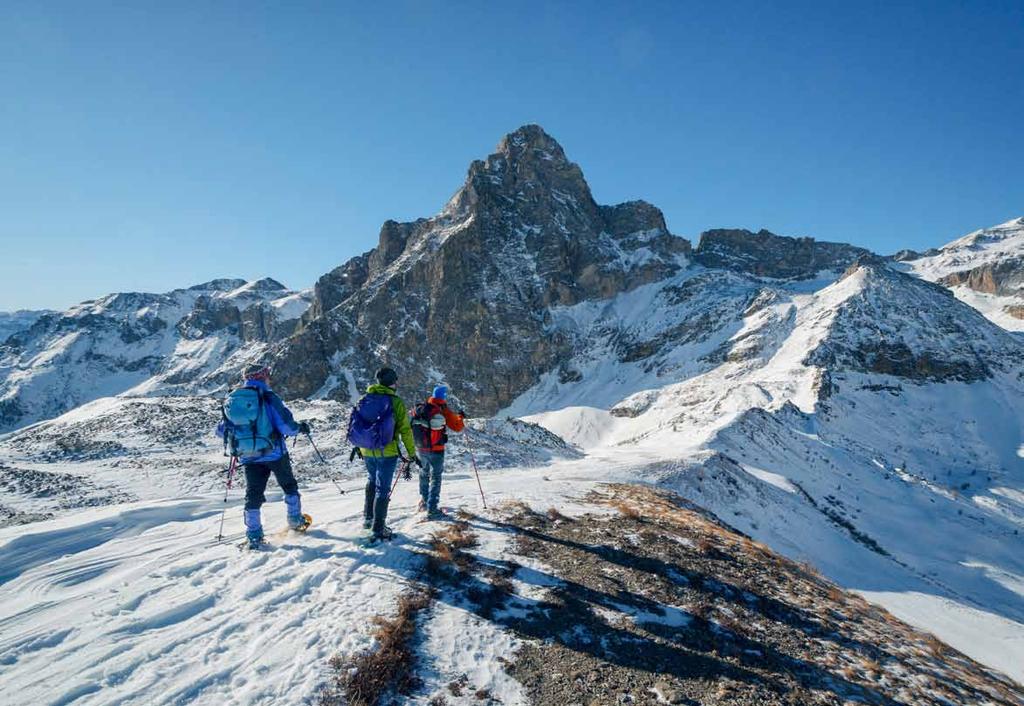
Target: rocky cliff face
x: 468, y: 295
x: 765, y: 254
x: 1004, y: 277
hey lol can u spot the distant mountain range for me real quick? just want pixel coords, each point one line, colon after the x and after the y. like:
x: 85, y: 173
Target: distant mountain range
x: 472, y: 296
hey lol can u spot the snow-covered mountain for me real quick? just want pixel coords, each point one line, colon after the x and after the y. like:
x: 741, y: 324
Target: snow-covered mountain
x: 185, y: 341
x: 860, y: 413
x: 984, y: 268
x: 17, y: 321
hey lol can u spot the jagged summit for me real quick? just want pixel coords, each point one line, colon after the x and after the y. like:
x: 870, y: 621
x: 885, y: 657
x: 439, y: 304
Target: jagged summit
x: 531, y: 142
x: 984, y: 268
x: 223, y: 284
x: 522, y: 236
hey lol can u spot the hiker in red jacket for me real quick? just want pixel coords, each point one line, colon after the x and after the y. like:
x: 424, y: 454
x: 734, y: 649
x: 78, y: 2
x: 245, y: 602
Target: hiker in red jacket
x: 430, y: 423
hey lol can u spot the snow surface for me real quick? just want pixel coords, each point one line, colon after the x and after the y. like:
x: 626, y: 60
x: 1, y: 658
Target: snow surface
x: 138, y: 603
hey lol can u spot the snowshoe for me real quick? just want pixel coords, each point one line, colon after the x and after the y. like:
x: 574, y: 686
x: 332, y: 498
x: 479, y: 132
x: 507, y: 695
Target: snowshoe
x: 300, y: 523
x: 253, y: 541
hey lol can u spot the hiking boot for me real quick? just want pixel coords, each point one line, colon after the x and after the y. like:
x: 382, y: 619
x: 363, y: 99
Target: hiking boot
x: 367, y: 523
x: 254, y: 538
x: 299, y: 523
x: 385, y: 535
x: 422, y: 506
x: 435, y: 514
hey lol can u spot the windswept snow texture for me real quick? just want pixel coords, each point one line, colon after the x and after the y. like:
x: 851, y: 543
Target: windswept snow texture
x: 184, y: 342
x: 139, y: 604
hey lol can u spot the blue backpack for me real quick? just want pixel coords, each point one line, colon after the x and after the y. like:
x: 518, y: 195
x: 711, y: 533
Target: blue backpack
x: 372, y: 422
x: 248, y: 430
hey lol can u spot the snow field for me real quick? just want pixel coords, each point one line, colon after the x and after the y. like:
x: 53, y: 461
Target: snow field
x: 138, y: 603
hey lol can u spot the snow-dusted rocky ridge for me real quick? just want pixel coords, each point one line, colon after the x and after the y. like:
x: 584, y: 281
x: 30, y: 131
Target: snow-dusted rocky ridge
x: 18, y: 321
x: 187, y: 341
x: 860, y: 413
x: 984, y: 268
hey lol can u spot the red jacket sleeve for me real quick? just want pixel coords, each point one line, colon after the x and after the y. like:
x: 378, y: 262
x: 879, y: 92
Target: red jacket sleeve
x: 453, y: 420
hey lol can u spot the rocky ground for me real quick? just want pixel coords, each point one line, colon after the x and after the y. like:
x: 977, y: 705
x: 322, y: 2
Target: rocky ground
x: 649, y: 600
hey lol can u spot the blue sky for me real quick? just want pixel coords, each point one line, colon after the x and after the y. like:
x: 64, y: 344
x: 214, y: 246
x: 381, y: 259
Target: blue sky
x: 146, y: 148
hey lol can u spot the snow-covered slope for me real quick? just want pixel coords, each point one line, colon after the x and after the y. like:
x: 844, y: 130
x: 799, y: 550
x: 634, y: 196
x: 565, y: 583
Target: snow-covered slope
x: 17, y: 321
x: 870, y: 423
x: 185, y: 341
x: 984, y: 268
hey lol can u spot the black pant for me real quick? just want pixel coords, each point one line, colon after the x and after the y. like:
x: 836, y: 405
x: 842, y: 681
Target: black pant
x: 257, y: 475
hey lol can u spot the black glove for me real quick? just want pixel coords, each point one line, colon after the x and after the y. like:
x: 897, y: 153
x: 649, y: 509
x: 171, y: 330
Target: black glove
x: 417, y: 461
x: 304, y: 428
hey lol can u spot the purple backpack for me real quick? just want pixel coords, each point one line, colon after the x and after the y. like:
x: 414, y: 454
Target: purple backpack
x: 372, y: 422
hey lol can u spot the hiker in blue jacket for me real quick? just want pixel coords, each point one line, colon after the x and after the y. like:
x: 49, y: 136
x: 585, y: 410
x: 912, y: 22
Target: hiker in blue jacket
x: 276, y: 460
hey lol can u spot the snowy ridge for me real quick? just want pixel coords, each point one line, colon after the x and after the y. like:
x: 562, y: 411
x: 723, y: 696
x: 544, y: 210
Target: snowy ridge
x: 985, y: 269
x: 831, y: 419
x: 185, y: 341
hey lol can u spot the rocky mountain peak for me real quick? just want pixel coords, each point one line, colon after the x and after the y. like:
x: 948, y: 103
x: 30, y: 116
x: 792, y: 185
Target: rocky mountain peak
x: 223, y: 284
x: 521, y: 236
x: 765, y: 254
x: 530, y: 143
x: 266, y: 284
x: 528, y: 165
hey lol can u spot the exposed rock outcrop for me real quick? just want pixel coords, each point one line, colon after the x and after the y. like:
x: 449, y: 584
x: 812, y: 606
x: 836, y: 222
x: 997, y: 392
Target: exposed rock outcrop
x: 1005, y: 277
x: 766, y: 254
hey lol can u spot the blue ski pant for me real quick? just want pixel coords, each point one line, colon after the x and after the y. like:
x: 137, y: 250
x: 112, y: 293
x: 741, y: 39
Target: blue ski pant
x: 430, y: 478
x: 379, y: 473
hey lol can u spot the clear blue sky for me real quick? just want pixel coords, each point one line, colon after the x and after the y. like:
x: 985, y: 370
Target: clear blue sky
x: 146, y: 148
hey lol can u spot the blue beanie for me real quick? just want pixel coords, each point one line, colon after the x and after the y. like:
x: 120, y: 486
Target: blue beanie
x: 441, y: 392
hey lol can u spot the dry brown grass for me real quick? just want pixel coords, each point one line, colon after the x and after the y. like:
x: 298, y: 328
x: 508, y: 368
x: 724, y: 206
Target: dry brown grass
x: 935, y: 647
x: 555, y: 516
x: 365, y: 679
x: 872, y: 667
x: 627, y: 510
x: 514, y: 507
x: 447, y: 548
x: 705, y: 546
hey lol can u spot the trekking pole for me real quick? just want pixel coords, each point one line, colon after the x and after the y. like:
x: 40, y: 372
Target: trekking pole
x: 401, y: 472
x: 324, y: 462
x: 472, y: 457
x: 231, y: 475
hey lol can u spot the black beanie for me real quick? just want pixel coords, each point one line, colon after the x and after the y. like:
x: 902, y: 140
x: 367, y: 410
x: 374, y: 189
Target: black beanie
x: 387, y: 377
